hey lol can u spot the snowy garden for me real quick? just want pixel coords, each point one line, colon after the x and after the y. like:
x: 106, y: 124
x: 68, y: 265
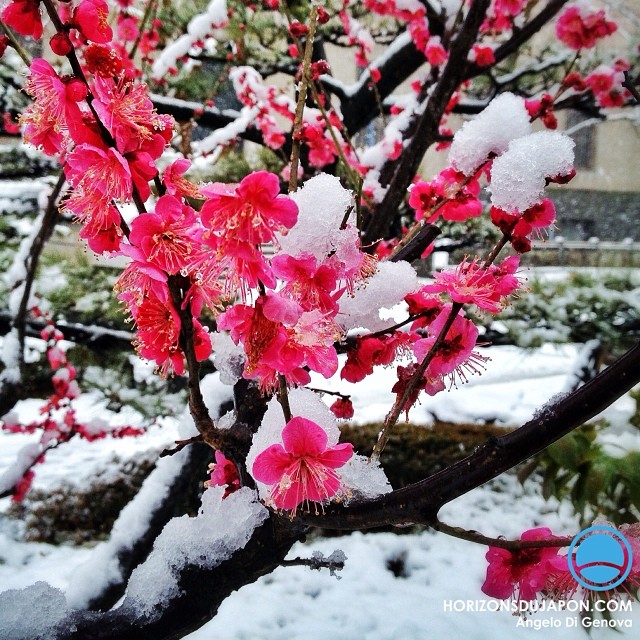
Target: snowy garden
x: 279, y: 357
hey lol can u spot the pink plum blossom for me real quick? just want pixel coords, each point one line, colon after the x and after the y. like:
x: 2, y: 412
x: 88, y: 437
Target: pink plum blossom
x: 524, y: 572
x: 303, y: 470
x: 167, y: 237
x: 455, y: 354
x: 252, y: 211
x: 224, y: 473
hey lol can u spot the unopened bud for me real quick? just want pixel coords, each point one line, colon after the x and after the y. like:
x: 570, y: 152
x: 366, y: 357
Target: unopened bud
x: 60, y: 44
x: 75, y: 90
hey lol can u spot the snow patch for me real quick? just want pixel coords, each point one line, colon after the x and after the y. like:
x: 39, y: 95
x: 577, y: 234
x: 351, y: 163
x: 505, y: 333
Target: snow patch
x: 31, y: 612
x: 505, y: 119
x: 221, y: 528
x: 519, y: 176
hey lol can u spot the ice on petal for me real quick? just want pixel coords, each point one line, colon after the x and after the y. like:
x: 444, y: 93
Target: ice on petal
x: 519, y: 176
x: 391, y: 282
x: 504, y: 119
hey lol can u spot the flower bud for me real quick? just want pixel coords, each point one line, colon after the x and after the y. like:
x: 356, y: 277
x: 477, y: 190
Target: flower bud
x: 60, y: 44
x: 297, y: 29
x: 75, y: 90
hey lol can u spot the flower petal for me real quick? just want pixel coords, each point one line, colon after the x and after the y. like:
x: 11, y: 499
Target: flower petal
x: 302, y: 437
x: 336, y: 456
x: 270, y: 465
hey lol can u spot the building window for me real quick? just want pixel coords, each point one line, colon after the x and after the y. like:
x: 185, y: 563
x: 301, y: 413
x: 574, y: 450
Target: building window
x: 584, y: 137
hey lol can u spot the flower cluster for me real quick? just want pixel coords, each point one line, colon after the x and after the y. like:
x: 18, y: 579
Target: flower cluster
x: 197, y: 254
x: 532, y: 571
x: 58, y: 422
x: 580, y: 28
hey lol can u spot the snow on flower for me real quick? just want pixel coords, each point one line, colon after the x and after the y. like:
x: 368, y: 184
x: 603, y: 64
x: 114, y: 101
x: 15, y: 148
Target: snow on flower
x: 322, y: 205
x: 490, y: 132
x: 302, y: 470
x: 519, y: 176
x: 390, y: 283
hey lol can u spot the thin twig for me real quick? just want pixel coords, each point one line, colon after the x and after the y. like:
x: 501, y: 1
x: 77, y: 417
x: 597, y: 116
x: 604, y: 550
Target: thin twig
x: 412, y: 384
x: 151, y: 4
x: 31, y: 265
x: 180, y: 445
x: 511, y: 545
x: 15, y: 43
x: 302, y: 96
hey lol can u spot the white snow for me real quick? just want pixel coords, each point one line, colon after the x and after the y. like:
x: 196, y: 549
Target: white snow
x: 228, y: 358
x: 221, y: 527
x: 505, y: 119
x: 224, y: 135
x: 303, y: 403
x: 365, y: 479
x: 438, y: 568
x: 391, y: 282
x: 34, y: 611
x: 198, y: 28
x: 102, y: 569
x: 322, y: 203
x: 10, y: 356
x: 24, y: 460
x: 518, y: 176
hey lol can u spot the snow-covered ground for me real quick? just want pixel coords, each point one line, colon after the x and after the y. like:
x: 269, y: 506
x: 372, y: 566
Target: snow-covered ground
x: 369, y: 601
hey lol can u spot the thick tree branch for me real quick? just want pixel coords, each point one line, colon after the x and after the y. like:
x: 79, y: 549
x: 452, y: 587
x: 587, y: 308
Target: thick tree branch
x: 420, y: 502
x: 201, y: 592
x: 426, y: 128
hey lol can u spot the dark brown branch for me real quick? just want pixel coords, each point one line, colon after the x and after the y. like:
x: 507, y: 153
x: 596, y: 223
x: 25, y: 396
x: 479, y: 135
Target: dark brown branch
x: 522, y: 35
x: 200, y: 594
x: 184, y: 111
x: 361, y: 107
x: 92, y: 336
x: 632, y: 85
x: 420, y: 502
x: 180, y: 492
x: 511, y: 545
x: 426, y: 127
x: 31, y: 263
x: 180, y: 445
x: 417, y: 245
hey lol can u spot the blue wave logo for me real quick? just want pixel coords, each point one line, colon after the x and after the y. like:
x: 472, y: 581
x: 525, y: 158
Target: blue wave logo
x: 600, y: 558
